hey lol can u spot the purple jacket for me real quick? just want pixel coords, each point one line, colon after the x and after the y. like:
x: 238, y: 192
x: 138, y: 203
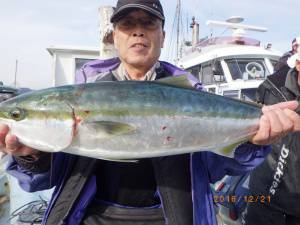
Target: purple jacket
x: 206, y: 167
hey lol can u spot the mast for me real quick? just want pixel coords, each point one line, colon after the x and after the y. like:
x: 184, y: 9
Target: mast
x: 16, y: 72
x: 176, y: 36
x: 178, y: 13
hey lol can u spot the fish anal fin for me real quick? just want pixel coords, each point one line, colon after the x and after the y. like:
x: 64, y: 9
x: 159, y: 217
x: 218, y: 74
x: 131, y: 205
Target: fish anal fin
x: 122, y: 160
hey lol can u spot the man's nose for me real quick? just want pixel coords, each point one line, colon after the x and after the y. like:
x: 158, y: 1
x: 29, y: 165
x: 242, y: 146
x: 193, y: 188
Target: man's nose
x: 138, y: 34
x: 138, y: 31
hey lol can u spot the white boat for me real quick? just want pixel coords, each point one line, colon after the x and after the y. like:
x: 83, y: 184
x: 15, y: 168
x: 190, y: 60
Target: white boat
x: 232, y: 66
x: 4, y: 195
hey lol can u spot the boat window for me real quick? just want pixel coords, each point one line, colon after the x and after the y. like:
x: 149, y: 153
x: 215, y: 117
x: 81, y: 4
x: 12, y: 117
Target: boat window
x: 211, y: 90
x: 247, y: 69
x: 212, y: 73
x: 195, y: 70
x: 209, y: 73
x: 232, y: 93
x: 206, y: 75
x: 218, y: 71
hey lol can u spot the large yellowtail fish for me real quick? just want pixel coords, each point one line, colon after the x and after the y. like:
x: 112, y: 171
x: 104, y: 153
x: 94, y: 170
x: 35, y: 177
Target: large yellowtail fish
x: 129, y: 120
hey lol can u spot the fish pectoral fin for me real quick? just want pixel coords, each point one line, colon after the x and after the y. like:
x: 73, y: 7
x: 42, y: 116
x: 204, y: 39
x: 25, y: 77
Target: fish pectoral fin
x: 181, y: 81
x: 111, y: 128
x: 229, y: 149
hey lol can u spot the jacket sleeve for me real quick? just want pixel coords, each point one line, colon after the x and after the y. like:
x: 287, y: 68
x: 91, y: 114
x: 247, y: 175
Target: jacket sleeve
x: 246, y: 157
x: 260, y: 93
x: 80, y: 76
x: 31, y: 178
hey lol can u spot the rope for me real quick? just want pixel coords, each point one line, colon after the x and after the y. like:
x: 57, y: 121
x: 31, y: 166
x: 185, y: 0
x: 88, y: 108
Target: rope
x: 30, y: 213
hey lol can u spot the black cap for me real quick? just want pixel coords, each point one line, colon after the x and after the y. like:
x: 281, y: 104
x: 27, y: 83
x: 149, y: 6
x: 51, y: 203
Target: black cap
x: 152, y: 6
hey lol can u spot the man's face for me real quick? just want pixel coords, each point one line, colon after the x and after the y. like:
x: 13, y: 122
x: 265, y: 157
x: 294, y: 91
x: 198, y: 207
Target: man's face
x: 295, y: 48
x: 138, y: 38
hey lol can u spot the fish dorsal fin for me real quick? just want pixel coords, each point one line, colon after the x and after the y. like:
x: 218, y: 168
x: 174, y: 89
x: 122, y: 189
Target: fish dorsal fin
x: 177, y: 81
x: 110, y: 128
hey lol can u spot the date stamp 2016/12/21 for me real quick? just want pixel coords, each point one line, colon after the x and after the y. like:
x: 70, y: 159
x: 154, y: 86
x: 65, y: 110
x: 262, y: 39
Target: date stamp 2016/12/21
x: 246, y: 198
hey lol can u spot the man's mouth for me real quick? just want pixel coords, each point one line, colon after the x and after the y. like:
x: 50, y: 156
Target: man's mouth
x: 139, y: 45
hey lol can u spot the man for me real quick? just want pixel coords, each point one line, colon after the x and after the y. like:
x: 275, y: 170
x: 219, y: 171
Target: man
x: 165, y: 190
x: 278, y: 178
x: 283, y: 59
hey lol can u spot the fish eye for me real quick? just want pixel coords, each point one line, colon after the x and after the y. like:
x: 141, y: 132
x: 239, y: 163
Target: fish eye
x: 16, y: 114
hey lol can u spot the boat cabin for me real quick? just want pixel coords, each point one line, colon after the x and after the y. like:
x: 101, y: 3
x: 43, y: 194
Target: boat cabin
x: 232, y: 66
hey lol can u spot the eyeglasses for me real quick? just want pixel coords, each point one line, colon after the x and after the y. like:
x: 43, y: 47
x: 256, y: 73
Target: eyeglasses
x: 148, y: 23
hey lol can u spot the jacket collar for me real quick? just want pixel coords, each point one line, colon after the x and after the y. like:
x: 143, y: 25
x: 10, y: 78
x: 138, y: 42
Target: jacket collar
x: 291, y: 82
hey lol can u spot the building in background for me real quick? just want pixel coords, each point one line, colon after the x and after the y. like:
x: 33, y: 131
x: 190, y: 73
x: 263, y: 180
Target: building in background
x: 68, y: 59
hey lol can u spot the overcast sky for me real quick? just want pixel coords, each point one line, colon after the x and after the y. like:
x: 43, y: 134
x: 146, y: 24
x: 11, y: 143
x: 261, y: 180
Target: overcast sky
x: 29, y: 27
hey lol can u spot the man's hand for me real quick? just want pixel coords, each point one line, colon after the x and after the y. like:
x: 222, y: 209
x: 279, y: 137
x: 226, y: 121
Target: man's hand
x: 9, y: 144
x: 276, y: 122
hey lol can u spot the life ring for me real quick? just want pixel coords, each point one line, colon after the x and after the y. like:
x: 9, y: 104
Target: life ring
x: 255, y: 70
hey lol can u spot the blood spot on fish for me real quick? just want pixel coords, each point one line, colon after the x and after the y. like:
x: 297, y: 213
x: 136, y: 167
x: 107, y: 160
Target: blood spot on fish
x: 77, y: 120
x: 164, y: 127
x: 169, y: 138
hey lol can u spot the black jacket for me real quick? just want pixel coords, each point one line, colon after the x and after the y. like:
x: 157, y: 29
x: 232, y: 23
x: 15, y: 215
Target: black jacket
x: 282, y: 62
x: 279, y: 175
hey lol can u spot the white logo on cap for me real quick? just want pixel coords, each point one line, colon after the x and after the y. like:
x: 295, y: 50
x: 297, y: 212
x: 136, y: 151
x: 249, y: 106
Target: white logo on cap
x: 292, y: 60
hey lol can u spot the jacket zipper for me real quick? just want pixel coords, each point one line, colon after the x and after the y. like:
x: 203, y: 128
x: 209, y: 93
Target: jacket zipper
x: 274, y: 86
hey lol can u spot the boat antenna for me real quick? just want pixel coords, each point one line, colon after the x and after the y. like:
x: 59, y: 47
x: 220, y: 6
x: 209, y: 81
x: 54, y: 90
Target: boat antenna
x: 211, y: 16
x: 16, y: 71
x: 233, y: 23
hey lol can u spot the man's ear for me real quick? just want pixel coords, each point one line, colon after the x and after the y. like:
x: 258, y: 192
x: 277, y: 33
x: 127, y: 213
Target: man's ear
x: 163, y: 39
x: 115, y: 39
